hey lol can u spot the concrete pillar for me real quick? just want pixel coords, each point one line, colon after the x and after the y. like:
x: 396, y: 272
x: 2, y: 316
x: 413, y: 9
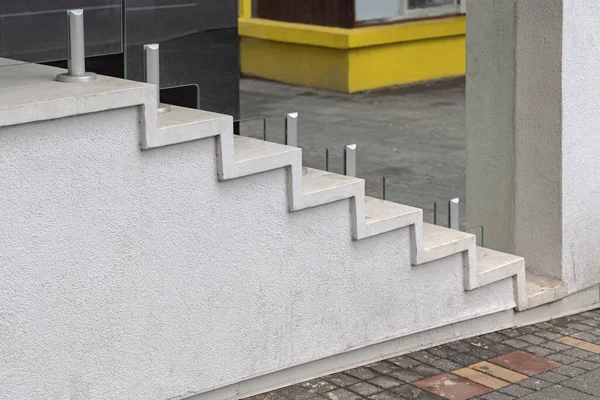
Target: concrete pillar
x: 533, y: 133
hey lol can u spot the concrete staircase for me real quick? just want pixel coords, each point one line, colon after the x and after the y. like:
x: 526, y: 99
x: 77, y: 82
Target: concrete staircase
x: 396, y: 229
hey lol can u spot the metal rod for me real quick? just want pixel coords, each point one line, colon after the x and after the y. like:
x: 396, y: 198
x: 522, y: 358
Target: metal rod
x: 383, y: 188
x: 152, y: 66
x: 76, y: 50
x: 152, y: 72
x: 76, y: 41
x: 350, y: 160
x: 327, y: 160
x: 435, y: 213
x: 291, y: 129
x: 454, y: 214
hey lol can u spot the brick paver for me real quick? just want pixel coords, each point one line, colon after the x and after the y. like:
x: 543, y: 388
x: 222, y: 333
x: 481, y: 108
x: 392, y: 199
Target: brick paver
x: 554, y: 360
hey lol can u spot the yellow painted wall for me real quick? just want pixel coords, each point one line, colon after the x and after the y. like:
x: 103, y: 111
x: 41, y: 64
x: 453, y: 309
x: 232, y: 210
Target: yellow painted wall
x: 298, y: 64
x: 407, y: 62
x: 351, y: 60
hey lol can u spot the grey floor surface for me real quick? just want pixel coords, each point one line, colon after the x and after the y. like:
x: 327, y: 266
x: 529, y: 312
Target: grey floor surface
x: 414, y: 137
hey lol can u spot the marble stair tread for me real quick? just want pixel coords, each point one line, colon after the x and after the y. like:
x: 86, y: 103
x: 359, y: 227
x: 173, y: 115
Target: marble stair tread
x: 441, y: 242
x: 489, y: 261
x: 185, y: 124
x: 247, y: 149
x: 315, y: 181
x: 384, y: 216
x: 541, y: 290
x: 493, y: 266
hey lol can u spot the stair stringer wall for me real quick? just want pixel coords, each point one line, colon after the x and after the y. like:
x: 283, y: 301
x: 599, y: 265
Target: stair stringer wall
x: 145, y: 276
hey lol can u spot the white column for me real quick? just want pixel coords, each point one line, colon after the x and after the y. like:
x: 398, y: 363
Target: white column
x: 533, y: 123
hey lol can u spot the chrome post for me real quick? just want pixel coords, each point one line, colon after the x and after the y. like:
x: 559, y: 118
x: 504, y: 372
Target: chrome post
x: 454, y: 214
x: 152, y: 72
x: 76, y: 50
x: 291, y: 129
x: 350, y: 160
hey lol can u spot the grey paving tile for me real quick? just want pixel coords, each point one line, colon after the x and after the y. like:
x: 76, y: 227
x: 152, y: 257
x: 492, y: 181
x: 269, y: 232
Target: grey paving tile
x: 383, y: 367
x: 386, y: 396
x: 441, y: 351
x: 404, y: 362
x: 426, y: 371
x: 534, y: 383
x: 580, y: 327
x: 558, y: 393
x: 362, y: 373
x: 423, y: 356
x: 496, y: 337
x: 364, y: 389
x: 512, y: 332
x: 555, y: 346
x: 529, y: 328
x: 446, y: 365
x: 588, y: 383
x: 539, y: 350
x: 532, y: 339
x: 562, y: 358
x: 406, y: 375
x: 516, y: 343
x: 585, y: 336
x: 341, y: 379
x: 595, y: 323
x: 551, y: 377
x: 577, y: 353
x: 385, y: 382
x: 516, y: 390
x: 411, y: 392
x: 318, y: 386
x: 463, y: 359
x: 342, y: 394
x: 568, y: 370
x: 459, y: 346
x: 548, y: 335
x: 296, y: 393
x: 268, y: 396
x: 496, y: 396
x: 595, y: 358
x: 587, y: 365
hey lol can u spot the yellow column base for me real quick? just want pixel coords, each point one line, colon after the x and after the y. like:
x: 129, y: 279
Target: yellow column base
x: 352, y: 60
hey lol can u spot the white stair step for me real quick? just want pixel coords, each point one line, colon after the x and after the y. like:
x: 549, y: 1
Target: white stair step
x: 247, y: 149
x: 440, y: 242
x: 493, y: 266
x: 384, y: 216
x: 254, y: 156
x: 541, y: 290
x: 321, y: 187
x: 185, y: 124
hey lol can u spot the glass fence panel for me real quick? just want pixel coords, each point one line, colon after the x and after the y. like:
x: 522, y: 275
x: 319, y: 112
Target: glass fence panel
x: 255, y: 127
x: 198, y: 45
x: 36, y: 30
x: 316, y: 159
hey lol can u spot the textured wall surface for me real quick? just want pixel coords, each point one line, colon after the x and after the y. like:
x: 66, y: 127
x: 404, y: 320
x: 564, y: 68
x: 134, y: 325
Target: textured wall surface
x: 138, y: 275
x: 490, y: 119
x: 538, y: 136
x: 580, y: 145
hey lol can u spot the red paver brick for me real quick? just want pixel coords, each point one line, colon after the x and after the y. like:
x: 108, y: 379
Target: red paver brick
x: 525, y: 363
x: 449, y: 386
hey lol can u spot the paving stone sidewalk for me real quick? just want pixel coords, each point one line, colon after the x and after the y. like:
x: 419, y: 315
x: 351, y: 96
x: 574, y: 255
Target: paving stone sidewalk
x: 555, y: 360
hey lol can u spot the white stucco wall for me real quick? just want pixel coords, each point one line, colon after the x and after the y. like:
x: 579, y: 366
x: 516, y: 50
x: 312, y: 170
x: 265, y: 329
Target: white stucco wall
x: 138, y: 275
x: 555, y: 218
x: 490, y: 120
x: 581, y: 147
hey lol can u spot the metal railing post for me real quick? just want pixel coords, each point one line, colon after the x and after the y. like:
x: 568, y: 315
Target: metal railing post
x: 350, y: 160
x: 76, y: 50
x: 152, y: 72
x: 291, y: 129
x: 454, y: 214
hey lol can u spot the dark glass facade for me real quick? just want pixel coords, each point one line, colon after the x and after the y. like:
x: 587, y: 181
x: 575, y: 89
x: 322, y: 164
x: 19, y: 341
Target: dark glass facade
x: 198, y: 39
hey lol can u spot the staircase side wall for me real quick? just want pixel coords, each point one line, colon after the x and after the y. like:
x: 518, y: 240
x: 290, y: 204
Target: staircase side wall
x: 129, y: 274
